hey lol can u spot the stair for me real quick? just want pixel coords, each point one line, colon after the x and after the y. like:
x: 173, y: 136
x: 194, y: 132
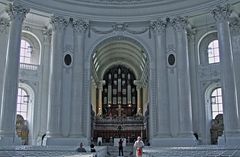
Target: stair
x: 112, y: 151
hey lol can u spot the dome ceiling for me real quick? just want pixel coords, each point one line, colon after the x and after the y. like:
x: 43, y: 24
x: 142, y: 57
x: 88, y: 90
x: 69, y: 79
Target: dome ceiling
x: 122, y: 9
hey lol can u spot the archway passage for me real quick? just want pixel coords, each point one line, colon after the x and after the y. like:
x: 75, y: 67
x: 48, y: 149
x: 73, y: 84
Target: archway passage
x: 119, y: 97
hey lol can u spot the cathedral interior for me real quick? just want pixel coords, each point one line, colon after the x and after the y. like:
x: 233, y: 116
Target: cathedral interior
x: 94, y: 71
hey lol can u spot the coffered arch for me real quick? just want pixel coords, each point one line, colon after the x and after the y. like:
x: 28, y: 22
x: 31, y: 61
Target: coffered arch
x: 120, y: 51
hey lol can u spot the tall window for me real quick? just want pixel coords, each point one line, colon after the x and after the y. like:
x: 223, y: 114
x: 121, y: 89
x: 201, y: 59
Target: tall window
x: 22, y: 103
x: 213, y: 52
x: 25, y: 52
x: 216, y: 102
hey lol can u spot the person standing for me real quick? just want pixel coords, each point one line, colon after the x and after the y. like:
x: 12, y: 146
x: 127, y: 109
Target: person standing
x: 120, y: 147
x: 81, y: 149
x: 139, y: 147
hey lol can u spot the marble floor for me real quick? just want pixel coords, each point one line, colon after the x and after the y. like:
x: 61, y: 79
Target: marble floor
x: 69, y: 151
x: 198, y: 151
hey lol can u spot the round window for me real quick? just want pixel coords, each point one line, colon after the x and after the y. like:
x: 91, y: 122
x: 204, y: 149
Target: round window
x: 171, y: 59
x: 68, y: 59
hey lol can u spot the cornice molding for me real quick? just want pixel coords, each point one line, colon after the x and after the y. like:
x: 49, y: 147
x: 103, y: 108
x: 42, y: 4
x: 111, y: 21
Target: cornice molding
x: 126, y: 10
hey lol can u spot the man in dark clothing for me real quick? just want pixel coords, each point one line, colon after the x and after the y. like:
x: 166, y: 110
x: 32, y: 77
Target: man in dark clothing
x: 120, y: 147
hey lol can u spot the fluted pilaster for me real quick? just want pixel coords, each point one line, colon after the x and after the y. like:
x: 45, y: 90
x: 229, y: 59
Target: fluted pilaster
x: 77, y: 123
x: 55, y: 79
x: 184, y: 91
x: 162, y: 83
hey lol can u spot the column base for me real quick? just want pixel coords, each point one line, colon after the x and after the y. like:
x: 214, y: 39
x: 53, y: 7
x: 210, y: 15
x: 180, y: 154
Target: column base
x: 232, y: 140
x: 61, y: 141
x: 8, y: 141
x: 173, y: 142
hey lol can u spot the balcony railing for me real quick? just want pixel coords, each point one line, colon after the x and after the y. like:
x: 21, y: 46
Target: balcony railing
x: 28, y: 66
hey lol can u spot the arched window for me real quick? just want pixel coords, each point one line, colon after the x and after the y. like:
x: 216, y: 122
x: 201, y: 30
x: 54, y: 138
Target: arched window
x: 216, y: 102
x: 25, y: 52
x: 213, y: 52
x: 22, y: 103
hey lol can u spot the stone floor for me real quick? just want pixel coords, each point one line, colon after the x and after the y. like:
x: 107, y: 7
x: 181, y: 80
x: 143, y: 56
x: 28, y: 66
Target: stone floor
x: 60, y: 151
x: 199, y: 151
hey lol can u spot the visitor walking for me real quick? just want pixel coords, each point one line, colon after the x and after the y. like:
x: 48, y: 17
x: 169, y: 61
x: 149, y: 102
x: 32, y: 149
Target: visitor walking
x: 139, y: 147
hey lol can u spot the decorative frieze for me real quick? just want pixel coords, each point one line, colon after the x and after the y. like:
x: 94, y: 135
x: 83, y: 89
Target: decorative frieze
x: 16, y: 11
x: 121, y: 27
x: 4, y: 24
x: 58, y: 23
x: 221, y: 13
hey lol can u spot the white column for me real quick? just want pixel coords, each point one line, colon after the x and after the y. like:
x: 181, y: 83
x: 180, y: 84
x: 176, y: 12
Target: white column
x: 4, y: 27
x: 184, y: 91
x: 55, y: 78
x: 10, y: 81
x: 230, y: 110
x: 162, y: 82
x: 45, y: 55
x: 79, y: 28
x: 139, y: 96
x: 235, y: 33
x: 100, y: 90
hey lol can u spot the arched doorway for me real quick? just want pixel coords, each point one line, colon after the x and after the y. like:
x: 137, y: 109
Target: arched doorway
x: 119, y: 90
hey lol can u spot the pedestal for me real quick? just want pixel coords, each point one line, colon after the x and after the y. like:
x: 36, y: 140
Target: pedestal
x: 232, y: 140
x: 9, y: 141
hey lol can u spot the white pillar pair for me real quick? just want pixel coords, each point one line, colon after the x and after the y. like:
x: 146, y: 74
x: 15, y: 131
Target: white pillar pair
x: 221, y: 15
x: 17, y: 14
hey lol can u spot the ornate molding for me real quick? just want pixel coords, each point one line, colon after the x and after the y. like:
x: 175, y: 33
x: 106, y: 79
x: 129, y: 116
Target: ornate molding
x: 120, y: 27
x: 4, y: 24
x: 221, y: 13
x: 17, y: 12
x: 179, y: 23
x: 80, y: 25
x: 58, y: 23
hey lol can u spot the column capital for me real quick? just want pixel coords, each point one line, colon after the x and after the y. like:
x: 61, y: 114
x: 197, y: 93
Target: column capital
x: 80, y: 25
x: 138, y: 83
x: 221, y: 13
x: 47, y: 33
x: 16, y: 11
x: 158, y: 25
x: 59, y: 23
x: 235, y: 25
x: 191, y: 33
x: 4, y: 24
x: 179, y: 23
x: 101, y: 83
